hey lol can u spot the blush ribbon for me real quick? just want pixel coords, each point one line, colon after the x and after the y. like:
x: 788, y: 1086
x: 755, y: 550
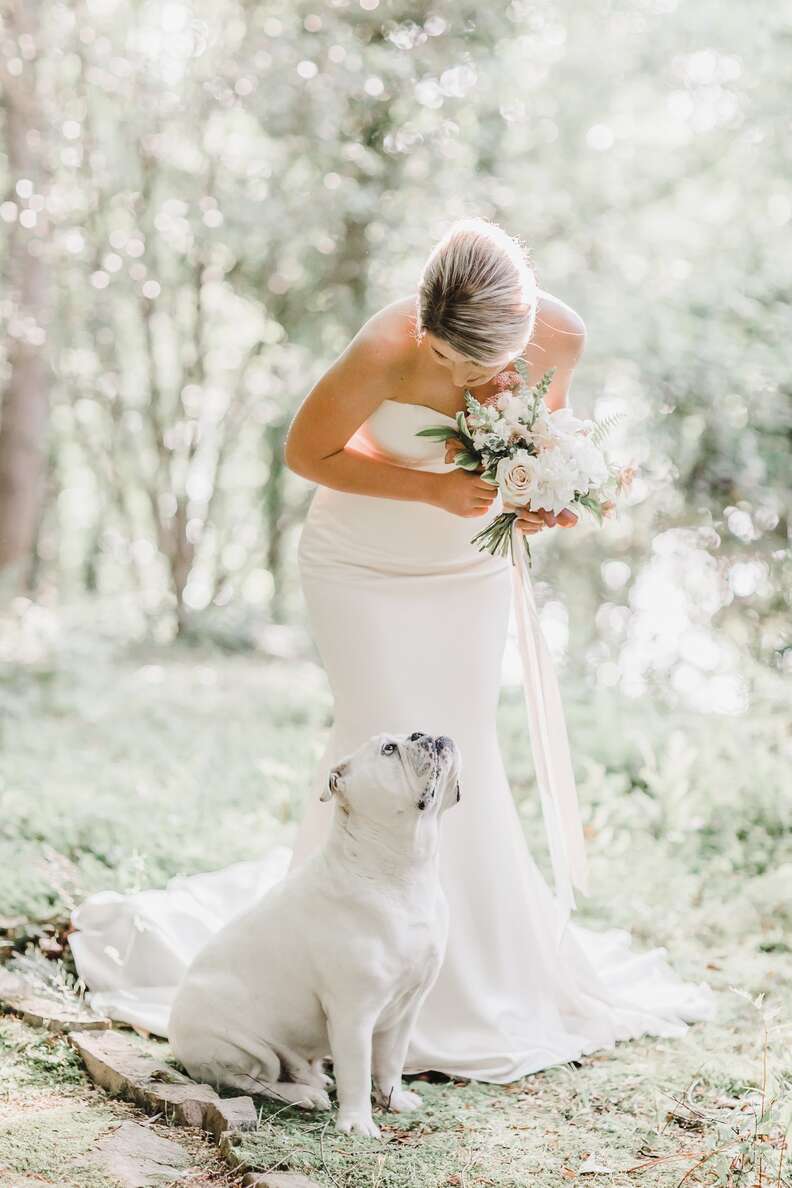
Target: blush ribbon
x: 549, y: 742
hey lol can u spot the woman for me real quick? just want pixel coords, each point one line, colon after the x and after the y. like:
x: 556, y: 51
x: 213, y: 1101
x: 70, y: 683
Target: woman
x: 410, y: 620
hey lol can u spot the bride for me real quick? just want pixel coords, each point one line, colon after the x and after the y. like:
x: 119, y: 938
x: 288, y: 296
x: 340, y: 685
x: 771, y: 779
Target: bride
x: 410, y: 622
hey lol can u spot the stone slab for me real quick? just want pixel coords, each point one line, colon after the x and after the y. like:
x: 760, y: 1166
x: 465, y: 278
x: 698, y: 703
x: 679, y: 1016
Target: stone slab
x: 278, y: 1180
x: 125, y: 1070
x: 39, y: 1010
x: 138, y: 1158
x: 230, y: 1114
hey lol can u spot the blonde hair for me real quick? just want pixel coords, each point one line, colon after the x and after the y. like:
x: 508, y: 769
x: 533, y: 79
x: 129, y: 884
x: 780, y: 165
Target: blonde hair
x: 478, y: 291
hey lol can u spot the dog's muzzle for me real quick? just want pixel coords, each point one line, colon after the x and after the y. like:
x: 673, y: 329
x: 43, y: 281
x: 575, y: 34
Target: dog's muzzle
x: 435, y: 749
x: 441, y: 743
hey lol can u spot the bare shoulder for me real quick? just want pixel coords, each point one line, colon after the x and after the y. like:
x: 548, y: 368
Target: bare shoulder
x: 389, y: 333
x: 557, y: 342
x: 368, y: 370
x: 559, y: 333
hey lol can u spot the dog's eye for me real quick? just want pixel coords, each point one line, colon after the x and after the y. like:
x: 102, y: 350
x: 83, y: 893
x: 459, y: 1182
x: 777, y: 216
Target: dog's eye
x: 388, y: 748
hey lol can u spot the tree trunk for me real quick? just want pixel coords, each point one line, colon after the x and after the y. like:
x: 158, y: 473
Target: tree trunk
x: 25, y: 404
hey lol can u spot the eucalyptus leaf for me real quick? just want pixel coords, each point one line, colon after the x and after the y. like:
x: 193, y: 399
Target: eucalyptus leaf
x: 592, y: 506
x: 463, y: 432
x: 439, y: 432
x: 521, y: 367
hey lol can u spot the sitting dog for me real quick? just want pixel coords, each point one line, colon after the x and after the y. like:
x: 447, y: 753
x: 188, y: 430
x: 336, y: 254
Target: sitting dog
x: 336, y: 958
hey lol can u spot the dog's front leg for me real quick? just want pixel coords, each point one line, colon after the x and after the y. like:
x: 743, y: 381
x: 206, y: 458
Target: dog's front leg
x: 350, y: 1045
x: 389, y: 1052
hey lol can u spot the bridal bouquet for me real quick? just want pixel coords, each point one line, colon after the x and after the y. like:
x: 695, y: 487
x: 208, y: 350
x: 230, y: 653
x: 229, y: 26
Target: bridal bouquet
x: 548, y: 460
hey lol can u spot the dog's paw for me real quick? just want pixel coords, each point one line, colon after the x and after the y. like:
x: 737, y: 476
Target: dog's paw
x: 400, y: 1101
x: 321, y: 1077
x: 309, y: 1097
x: 405, y: 1099
x: 351, y: 1122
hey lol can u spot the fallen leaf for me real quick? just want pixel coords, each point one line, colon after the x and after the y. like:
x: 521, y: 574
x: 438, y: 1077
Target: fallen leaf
x: 592, y: 1167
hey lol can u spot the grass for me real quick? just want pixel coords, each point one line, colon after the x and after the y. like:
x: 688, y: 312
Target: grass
x: 125, y: 763
x: 613, y: 1113
x: 51, y: 1115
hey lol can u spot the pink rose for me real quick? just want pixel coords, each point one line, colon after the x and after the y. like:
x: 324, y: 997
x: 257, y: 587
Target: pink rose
x: 625, y: 477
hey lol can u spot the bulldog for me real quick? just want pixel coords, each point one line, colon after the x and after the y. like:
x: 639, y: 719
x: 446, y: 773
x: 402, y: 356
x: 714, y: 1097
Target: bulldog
x: 335, y: 960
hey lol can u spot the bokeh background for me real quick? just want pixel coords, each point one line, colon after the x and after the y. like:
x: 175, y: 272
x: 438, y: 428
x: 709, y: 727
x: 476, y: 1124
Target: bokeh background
x: 200, y: 204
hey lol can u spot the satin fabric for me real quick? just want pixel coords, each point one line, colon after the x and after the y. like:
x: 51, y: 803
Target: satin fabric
x: 410, y: 622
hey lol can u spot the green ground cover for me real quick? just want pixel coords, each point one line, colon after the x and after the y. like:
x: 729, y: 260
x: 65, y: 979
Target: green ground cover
x: 124, y: 764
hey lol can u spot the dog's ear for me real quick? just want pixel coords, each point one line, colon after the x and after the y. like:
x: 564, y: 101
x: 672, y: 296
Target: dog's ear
x: 335, y: 783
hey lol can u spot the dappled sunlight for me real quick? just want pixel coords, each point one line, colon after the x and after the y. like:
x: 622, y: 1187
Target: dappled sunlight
x: 203, y: 201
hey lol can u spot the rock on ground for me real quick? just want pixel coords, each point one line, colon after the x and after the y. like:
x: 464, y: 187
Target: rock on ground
x: 124, y: 1070
x: 39, y: 1010
x: 278, y: 1180
x: 230, y: 1114
x: 139, y: 1158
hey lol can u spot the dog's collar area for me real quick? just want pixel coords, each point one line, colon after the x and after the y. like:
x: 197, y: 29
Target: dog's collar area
x: 370, y: 856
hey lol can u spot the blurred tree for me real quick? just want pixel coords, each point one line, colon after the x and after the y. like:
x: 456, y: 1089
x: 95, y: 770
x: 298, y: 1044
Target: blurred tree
x: 237, y: 186
x: 25, y: 395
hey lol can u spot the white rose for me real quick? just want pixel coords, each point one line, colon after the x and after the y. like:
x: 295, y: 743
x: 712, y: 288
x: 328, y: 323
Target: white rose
x: 587, y: 460
x: 515, y: 477
x: 546, y: 481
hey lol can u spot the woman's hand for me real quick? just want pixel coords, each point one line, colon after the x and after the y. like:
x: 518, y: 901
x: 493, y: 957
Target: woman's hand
x: 452, y: 447
x: 527, y: 520
x: 463, y: 492
x: 534, y: 521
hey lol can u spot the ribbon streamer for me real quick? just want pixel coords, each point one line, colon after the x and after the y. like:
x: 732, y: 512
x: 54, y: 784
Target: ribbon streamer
x: 549, y: 742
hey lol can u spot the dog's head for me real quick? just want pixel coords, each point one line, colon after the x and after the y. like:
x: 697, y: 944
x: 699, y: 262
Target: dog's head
x: 392, y: 775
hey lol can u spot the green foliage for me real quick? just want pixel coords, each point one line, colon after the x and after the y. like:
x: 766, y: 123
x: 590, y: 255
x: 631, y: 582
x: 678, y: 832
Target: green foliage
x: 437, y: 432
x: 521, y: 368
x: 54, y: 1142
x: 52, y: 1115
x: 32, y: 1058
x: 197, y: 758
x: 466, y: 460
x: 462, y: 431
x: 137, y: 776
x: 593, y: 506
x: 651, y: 1108
x: 197, y: 301
x: 603, y: 426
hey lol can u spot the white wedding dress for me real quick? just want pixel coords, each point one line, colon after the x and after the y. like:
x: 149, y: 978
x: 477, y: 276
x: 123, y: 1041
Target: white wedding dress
x: 410, y: 621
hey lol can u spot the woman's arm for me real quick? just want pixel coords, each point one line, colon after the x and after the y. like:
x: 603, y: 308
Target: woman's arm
x: 349, y: 391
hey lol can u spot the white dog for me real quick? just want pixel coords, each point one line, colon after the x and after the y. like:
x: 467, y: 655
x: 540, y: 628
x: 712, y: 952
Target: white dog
x: 336, y: 959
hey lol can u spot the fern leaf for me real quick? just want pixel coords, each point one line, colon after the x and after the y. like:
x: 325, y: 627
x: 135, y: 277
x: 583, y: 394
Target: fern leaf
x: 603, y: 426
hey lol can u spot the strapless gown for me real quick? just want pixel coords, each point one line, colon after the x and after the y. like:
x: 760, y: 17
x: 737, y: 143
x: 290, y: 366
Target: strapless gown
x: 410, y: 621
